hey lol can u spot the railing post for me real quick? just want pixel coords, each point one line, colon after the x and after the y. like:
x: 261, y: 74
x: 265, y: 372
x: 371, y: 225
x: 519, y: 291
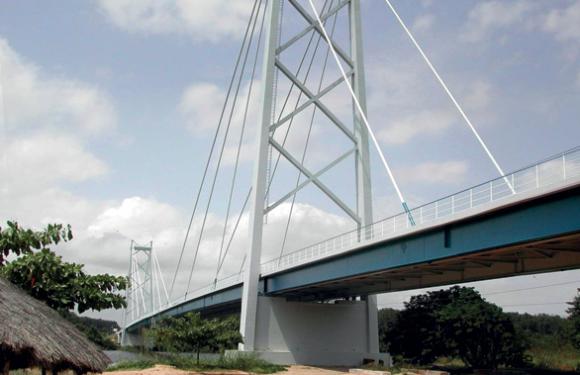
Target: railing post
x: 452, y: 204
x: 564, y: 166
x: 513, y: 183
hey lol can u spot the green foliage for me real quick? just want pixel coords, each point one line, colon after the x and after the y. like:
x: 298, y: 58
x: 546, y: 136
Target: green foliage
x: 550, y: 352
x: 64, y: 285
x: 416, y: 335
x: 99, y: 331
x: 191, y: 333
x: 137, y: 364
x: 479, y: 332
x: 541, y: 326
x: 454, y: 322
x: 387, y: 318
x: 574, y: 318
x: 16, y: 240
x: 247, y: 363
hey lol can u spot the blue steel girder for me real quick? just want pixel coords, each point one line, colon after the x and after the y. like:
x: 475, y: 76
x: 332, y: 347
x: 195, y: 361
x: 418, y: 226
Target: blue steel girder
x: 501, y: 238
x: 538, y: 235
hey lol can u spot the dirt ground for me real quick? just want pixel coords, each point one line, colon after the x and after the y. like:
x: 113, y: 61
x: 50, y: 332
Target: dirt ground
x: 168, y: 370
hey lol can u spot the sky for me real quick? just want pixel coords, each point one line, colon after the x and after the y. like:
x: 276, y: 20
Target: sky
x: 108, y: 108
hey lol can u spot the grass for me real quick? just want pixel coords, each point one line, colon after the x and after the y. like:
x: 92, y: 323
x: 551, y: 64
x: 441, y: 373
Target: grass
x: 555, y: 355
x: 246, y: 363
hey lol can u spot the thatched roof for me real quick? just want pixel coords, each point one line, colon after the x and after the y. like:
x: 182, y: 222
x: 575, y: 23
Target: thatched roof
x: 33, y: 334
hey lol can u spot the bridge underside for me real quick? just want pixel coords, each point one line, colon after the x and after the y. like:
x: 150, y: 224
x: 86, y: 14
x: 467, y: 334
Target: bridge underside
x: 539, y: 235
x: 534, y: 257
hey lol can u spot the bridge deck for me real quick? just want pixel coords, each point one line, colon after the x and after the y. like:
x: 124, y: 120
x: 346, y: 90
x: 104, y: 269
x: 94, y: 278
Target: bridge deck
x: 481, y: 233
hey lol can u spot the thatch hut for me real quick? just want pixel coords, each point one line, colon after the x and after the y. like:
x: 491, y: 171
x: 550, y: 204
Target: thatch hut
x: 34, y: 335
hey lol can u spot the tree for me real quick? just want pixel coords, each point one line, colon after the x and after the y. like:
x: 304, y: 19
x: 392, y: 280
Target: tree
x: 63, y: 285
x: 227, y: 334
x: 417, y: 334
x: 574, y: 317
x: 192, y: 333
x: 479, y: 332
x: 16, y: 240
x: 455, y: 322
x: 387, y: 318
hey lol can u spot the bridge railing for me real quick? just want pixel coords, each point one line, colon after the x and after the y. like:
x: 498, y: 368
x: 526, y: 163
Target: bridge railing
x: 551, y: 173
x: 558, y: 170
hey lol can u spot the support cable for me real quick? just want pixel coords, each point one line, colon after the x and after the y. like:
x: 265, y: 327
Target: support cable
x: 303, y: 158
x: 138, y: 277
x: 438, y: 77
x: 217, y: 168
x: 240, y: 142
x: 156, y: 281
x: 234, y: 230
x: 240, y: 53
x: 162, y: 279
x: 361, y: 112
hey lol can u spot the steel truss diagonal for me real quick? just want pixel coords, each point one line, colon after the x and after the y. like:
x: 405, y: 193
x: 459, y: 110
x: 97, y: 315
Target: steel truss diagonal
x: 272, y: 120
x: 357, y: 135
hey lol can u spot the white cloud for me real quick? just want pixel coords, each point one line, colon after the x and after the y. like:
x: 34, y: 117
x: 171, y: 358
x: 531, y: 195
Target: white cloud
x: 490, y: 16
x: 33, y: 99
x: 425, y: 122
x: 423, y: 23
x: 200, y: 19
x: 564, y: 23
x: 478, y: 96
x: 200, y: 104
x: 137, y: 218
x: 447, y: 172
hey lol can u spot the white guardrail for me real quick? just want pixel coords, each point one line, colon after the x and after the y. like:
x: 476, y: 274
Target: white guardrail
x: 551, y: 173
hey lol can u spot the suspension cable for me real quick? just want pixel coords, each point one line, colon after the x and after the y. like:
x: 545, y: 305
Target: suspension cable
x: 234, y: 230
x: 240, y: 142
x: 228, y: 126
x: 360, y: 110
x: 303, y: 158
x: 451, y: 96
x: 161, y: 277
x: 300, y: 65
x: 240, y: 53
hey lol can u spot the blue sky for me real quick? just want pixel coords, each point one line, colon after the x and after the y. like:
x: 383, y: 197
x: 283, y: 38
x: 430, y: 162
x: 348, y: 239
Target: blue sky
x: 109, y: 106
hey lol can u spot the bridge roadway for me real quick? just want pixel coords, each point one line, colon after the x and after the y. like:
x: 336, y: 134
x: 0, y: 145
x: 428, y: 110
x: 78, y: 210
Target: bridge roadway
x: 535, y: 230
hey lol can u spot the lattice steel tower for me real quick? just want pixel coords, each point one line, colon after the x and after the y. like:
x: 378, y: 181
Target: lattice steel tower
x: 273, y: 64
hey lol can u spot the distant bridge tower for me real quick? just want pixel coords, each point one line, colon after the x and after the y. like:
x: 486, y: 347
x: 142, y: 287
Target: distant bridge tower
x: 256, y: 337
x: 146, y: 291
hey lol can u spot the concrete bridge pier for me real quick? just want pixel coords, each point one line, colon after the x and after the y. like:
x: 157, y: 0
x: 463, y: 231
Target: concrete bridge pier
x: 343, y: 333
x: 132, y: 339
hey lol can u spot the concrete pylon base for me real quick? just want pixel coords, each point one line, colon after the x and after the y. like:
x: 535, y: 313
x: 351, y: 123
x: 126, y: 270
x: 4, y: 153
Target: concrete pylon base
x: 133, y: 339
x: 322, y: 334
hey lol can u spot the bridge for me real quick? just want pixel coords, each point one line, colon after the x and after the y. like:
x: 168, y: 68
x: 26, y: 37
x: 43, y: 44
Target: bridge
x: 317, y: 305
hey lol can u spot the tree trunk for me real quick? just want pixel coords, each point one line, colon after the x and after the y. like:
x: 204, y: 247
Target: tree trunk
x: 6, y: 367
x: 198, y: 350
